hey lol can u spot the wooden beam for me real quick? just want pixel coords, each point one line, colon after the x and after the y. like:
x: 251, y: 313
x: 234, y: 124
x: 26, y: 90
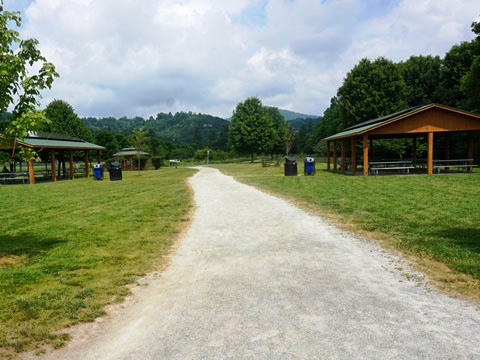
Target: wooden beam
x: 87, y: 166
x: 365, y: 155
x: 344, y: 166
x: 52, y: 165
x: 31, y: 172
x: 447, y: 150
x: 470, y: 150
x: 414, y: 155
x: 70, y: 158
x: 354, y: 156
x: 335, y: 162
x: 328, y: 155
x: 430, y: 153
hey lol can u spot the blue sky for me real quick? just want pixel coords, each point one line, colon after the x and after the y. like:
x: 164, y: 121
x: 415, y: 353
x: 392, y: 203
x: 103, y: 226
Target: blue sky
x: 120, y: 57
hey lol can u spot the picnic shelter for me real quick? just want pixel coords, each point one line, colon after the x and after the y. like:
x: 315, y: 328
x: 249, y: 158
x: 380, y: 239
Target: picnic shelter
x: 53, y: 147
x: 435, y: 124
x: 126, y: 156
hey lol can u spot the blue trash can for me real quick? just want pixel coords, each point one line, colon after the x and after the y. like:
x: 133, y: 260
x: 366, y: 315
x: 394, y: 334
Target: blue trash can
x: 97, y: 172
x: 309, y: 166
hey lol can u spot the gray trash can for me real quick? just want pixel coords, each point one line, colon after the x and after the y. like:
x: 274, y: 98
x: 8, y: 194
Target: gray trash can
x: 115, y: 171
x: 290, y: 166
x: 97, y: 172
x: 309, y: 168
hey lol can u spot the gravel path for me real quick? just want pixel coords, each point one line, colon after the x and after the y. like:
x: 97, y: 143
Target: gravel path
x: 256, y: 277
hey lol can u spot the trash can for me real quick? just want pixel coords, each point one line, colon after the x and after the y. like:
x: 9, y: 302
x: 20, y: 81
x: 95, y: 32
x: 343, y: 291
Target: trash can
x: 97, y: 172
x: 290, y: 166
x: 309, y: 166
x: 115, y: 171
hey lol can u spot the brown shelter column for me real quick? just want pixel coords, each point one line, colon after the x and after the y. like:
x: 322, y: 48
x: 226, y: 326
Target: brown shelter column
x: 70, y: 160
x: 335, y: 156
x: 414, y: 155
x: 87, y: 167
x: 365, y: 155
x: 31, y: 172
x: 354, y: 156
x: 131, y: 162
x: 344, y: 145
x: 52, y: 165
x: 98, y: 157
x: 470, y: 150
x: 430, y: 153
x: 328, y: 155
x: 447, y: 150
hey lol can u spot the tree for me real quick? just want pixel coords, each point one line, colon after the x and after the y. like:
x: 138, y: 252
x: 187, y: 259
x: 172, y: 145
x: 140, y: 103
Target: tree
x: 107, y: 139
x: 455, y: 65
x: 279, y: 127
x: 470, y: 82
x: 64, y: 120
x: 422, y: 77
x: 139, y: 141
x: 20, y: 83
x: 251, y: 129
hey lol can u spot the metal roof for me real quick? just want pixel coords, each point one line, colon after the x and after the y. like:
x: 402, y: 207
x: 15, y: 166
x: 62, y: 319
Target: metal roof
x: 130, y: 152
x: 387, y: 119
x: 56, y: 141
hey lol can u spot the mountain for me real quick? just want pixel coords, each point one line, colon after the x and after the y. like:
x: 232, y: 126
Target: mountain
x: 291, y: 115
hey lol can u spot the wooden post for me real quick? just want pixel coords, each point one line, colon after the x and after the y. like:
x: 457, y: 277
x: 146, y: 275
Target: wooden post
x: 470, y: 150
x: 344, y: 166
x: 430, y: 153
x: 414, y: 155
x: 31, y: 172
x: 335, y: 162
x: 447, y: 150
x: 131, y: 162
x: 52, y: 165
x: 365, y: 155
x: 354, y: 156
x: 98, y: 157
x: 70, y: 158
x: 328, y: 155
x: 87, y: 166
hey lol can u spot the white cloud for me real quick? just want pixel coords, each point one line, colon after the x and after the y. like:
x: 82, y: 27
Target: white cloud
x: 119, y: 57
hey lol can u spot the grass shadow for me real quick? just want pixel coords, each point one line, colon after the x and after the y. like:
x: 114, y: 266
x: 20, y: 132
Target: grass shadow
x: 467, y: 238
x: 26, y: 244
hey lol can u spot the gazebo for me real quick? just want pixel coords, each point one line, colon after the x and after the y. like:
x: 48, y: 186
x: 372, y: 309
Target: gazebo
x: 54, y: 143
x: 430, y: 121
x: 130, y: 153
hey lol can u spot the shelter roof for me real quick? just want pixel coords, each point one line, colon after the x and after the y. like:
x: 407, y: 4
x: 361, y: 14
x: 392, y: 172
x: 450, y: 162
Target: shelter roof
x: 369, y: 125
x: 130, y: 152
x: 57, y: 141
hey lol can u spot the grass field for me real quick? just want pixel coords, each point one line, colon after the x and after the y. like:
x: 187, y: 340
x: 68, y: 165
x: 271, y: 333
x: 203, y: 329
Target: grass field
x: 67, y: 249
x: 434, y: 219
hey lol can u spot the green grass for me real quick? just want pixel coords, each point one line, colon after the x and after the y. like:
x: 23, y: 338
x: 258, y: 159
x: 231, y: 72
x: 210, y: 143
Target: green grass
x: 435, y: 217
x: 67, y: 249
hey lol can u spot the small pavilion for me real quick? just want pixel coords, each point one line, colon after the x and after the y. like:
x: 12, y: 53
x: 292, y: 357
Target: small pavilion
x: 432, y: 122
x: 54, y: 144
x: 126, y: 156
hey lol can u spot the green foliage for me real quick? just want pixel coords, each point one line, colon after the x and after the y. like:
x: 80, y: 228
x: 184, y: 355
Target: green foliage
x: 213, y: 154
x: 422, y: 77
x: 470, y: 86
x: 251, y: 129
x: 157, y: 162
x: 20, y: 84
x: 371, y: 89
x: 64, y: 120
x: 107, y: 139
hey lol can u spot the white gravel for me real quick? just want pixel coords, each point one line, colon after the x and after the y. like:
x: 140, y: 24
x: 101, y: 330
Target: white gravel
x: 257, y: 278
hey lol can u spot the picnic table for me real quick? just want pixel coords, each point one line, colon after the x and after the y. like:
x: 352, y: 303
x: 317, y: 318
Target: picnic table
x: 403, y: 166
x: 461, y: 164
x: 14, y: 178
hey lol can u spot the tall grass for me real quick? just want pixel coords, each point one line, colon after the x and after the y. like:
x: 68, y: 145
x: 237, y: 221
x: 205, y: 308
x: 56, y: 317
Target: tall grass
x: 69, y: 248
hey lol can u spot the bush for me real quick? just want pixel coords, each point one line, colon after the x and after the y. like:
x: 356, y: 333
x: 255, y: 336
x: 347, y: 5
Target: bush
x: 157, y: 162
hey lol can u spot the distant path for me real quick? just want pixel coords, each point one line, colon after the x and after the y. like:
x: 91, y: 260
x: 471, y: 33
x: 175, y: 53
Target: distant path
x: 256, y: 277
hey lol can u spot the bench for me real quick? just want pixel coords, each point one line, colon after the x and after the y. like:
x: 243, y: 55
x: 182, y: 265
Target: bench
x: 14, y: 178
x: 461, y: 165
x: 402, y: 166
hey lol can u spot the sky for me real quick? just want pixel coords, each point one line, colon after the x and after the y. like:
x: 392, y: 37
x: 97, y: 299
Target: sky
x: 138, y: 58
